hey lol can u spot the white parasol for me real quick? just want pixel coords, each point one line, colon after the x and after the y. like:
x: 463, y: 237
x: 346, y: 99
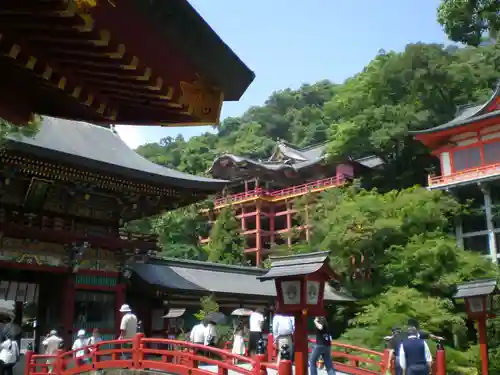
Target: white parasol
x: 242, y: 312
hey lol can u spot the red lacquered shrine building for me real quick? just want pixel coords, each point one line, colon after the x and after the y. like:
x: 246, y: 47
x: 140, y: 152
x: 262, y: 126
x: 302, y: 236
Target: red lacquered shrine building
x: 64, y: 197
x: 142, y: 62
x: 262, y: 193
x: 468, y: 148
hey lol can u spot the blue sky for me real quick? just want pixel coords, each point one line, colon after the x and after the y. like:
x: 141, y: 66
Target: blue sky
x: 291, y: 42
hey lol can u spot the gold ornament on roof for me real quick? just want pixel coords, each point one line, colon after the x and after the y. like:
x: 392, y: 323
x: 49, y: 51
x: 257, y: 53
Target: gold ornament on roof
x: 202, y: 101
x: 88, y: 4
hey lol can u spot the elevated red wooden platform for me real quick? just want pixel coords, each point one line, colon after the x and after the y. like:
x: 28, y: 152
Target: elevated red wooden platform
x: 183, y: 358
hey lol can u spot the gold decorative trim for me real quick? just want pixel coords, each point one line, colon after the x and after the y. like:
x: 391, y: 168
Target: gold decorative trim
x: 202, y: 101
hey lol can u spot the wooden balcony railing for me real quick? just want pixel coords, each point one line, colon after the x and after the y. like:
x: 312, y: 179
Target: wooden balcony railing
x: 281, y: 193
x: 465, y: 175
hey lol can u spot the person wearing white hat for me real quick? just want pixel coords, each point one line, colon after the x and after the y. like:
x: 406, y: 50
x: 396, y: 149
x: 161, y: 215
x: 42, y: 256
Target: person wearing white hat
x: 128, y: 324
x: 51, y: 344
x: 79, y: 343
x: 128, y: 327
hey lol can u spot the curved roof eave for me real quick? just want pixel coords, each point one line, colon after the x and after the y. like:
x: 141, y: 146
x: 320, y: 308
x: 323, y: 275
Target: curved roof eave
x: 472, y: 114
x: 86, y: 145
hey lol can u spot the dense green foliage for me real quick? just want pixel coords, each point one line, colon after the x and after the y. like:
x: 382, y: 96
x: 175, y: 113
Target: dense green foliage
x: 28, y: 130
x: 226, y: 242
x: 467, y: 21
x: 402, y: 233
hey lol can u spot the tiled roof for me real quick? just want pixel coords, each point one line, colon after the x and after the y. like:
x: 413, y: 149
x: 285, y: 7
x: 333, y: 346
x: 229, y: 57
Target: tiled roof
x: 100, y: 149
x: 195, y: 276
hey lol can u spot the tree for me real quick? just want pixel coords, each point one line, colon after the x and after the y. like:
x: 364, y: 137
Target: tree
x: 398, y: 256
x: 179, y: 233
x: 467, y: 21
x: 226, y: 244
x: 28, y: 130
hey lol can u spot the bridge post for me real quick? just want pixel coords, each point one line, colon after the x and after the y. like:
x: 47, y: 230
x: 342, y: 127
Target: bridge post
x: 28, y: 358
x: 260, y: 358
x: 270, y: 347
x: 440, y: 359
x: 384, y: 361
x: 285, y: 365
x: 137, y: 354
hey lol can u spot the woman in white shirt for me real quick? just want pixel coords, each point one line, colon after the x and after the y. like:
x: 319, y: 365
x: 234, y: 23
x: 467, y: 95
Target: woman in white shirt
x: 9, y: 355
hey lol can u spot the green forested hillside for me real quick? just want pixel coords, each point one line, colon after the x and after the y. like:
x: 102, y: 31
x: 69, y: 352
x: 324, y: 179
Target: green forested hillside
x: 401, y: 236
x: 370, y: 113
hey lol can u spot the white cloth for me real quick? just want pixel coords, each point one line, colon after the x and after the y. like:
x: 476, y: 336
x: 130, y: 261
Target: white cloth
x: 238, y: 345
x: 128, y: 325
x: 197, y: 335
x: 402, y: 356
x: 210, y: 334
x: 9, y: 351
x: 51, y: 344
x: 255, y: 322
x: 283, y: 326
x: 78, y: 344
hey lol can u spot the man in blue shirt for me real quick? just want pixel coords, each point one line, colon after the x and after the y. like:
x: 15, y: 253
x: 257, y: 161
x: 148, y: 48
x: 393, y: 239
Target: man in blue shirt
x: 414, y: 355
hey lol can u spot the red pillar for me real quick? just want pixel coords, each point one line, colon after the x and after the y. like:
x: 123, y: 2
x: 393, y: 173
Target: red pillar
x: 258, y: 236
x: 68, y: 306
x: 440, y: 360
x: 483, y: 345
x: 289, y: 223
x: 301, y: 347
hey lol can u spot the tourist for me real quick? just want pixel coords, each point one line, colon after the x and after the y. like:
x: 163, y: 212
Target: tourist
x: 398, y: 336
x: 210, y: 334
x: 414, y: 355
x: 94, y: 339
x: 256, y: 322
x: 239, y: 338
x: 197, y: 335
x: 322, y: 347
x: 128, y: 329
x: 283, y: 330
x: 78, y: 347
x: 51, y: 344
x: 9, y: 354
x: 128, y: 324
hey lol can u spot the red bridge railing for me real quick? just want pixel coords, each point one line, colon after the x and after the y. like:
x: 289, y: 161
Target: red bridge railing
x: 184, y: 358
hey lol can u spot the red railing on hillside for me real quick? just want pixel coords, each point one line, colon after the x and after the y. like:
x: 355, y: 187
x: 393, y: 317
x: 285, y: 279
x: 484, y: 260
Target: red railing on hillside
x: 465, y: 175
x: 293, y: 190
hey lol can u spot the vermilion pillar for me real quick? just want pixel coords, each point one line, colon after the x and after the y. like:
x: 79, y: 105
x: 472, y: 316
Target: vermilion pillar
x: 483, y: 345
x: 301, y: 344
x: 258, y: 235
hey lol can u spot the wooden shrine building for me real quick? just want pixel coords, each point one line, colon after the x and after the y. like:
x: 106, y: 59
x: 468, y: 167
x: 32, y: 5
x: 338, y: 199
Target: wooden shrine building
x: 468, y: 148
x: 142, y: 62
x: 163, y: 286
x: 64, y: 197
x: 262, y: 193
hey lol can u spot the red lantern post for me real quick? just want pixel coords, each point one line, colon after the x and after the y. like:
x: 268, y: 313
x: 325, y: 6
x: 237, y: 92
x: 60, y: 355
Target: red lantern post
x: 478, y: 302
x: 300, y: 287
